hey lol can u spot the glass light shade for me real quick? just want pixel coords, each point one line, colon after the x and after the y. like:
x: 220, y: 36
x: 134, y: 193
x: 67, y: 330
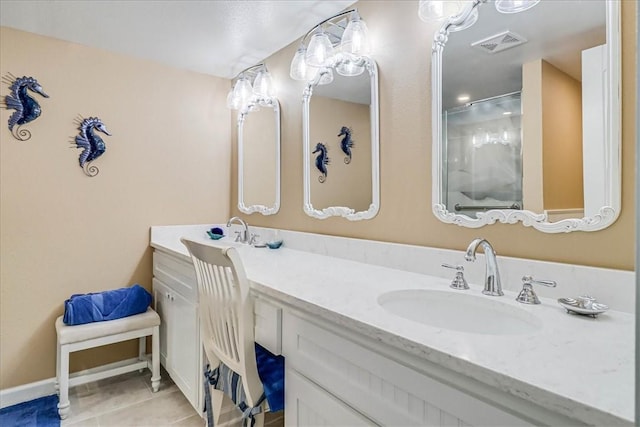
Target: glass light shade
x: 319, y: 51
x: 233, y: 102
x: 263, y: 85
x: 438, y: 10
x: 243, y: 91
x: 471, y: 19
x: 355, y: 39
x: 312, y: 72
x: 298, y: 70
x: 349, y: 68
x: 515, y: 6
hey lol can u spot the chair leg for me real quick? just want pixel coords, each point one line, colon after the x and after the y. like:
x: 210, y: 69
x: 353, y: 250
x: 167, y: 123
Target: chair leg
x: 221, y: 405
x: 155, y: 359
x: 63, y: 382
x: 259, y: 419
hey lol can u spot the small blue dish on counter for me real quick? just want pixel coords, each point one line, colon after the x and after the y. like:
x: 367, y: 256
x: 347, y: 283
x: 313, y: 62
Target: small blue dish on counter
x: 274, y: 245
x: 215, y: 233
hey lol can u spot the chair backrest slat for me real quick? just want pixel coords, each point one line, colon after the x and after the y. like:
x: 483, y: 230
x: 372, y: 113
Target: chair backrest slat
x: 226, y: 312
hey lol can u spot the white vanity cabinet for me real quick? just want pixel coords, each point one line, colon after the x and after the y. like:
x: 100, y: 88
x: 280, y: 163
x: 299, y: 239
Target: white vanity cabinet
x: 176, y: 301
x: 350, y: 362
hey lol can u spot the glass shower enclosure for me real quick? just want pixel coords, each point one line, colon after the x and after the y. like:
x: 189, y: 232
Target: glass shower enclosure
x: 482, y: 143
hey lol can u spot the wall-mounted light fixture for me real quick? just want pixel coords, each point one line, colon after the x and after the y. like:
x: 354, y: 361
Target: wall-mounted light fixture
x: 439, y: 10
x: 340, y: 41
x: 253, y: 86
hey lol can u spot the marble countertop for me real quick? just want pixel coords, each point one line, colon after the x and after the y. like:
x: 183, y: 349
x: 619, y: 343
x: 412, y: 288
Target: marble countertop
x: 578, y: 366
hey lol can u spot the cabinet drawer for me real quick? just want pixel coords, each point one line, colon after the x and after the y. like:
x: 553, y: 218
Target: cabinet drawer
x: 268, y: 325
x: 178, y: 274
x: 383, y: 389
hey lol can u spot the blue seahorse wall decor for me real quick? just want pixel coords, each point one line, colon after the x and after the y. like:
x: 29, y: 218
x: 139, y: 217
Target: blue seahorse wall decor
x: 346, y: 144
x: 92, y: 145
x: 27, y: 108
x: 322, y: 160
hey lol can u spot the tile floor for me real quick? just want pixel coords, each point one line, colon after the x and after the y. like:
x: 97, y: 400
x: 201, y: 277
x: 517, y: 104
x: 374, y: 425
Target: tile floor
x: 127, y: 400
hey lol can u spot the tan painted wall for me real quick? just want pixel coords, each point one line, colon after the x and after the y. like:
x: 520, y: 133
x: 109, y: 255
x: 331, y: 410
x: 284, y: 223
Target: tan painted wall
x: 346, y: 184
x: 562, y: 139
x: 552, y: 131
x: 62, y: 232
x: 402, y: 48
x: 532, y: 136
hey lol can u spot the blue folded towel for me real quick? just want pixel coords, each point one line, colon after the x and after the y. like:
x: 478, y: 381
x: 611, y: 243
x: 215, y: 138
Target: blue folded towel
x: 107, y: 305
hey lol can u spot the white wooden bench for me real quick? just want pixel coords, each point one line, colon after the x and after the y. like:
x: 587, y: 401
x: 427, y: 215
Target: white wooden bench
x: 96, y: 334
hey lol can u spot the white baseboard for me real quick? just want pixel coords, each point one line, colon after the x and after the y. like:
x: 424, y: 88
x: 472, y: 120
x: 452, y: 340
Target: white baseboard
x: 23, y: 393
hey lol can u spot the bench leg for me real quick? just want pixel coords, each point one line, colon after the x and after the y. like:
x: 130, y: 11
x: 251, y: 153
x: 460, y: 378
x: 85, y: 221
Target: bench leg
x: 155, y: 359
x: 63, y: 382
x: 57, y: 383
x: 142, y: 349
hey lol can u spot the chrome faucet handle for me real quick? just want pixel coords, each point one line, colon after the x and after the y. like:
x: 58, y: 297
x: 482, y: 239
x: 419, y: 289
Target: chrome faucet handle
x: 527, y: 295
x: 458, y: 282
x: 238, y: 236
x: 253, y: 239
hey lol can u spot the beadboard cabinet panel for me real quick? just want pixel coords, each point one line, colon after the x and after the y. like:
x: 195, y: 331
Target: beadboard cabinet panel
x: 382, y: 389
x: 308, y: 405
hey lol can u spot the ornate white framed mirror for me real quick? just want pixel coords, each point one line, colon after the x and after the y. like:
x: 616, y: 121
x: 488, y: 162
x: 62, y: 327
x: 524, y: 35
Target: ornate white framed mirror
x: 341, y: 143
x: 526, y: 116
x: 259, y: 157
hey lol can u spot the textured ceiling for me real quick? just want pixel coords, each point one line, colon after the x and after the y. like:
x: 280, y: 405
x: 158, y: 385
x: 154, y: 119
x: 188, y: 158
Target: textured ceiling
x: 213, y: 37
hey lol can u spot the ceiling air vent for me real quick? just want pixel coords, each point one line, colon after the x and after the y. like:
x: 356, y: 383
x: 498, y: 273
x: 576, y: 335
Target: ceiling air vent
x: 499, y: 42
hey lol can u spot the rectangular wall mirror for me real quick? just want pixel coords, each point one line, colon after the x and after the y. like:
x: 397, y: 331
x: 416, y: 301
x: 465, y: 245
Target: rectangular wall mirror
x: 341, y: 148
x: 526, y: 116
x: 259, y: 157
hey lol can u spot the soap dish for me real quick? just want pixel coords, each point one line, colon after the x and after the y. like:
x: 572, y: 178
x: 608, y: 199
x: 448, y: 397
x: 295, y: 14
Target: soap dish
x: 215, y: 236
x: 275, y: 244
x: 583, y: 305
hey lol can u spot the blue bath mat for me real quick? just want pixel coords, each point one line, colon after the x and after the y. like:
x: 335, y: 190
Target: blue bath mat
x: 42, y: 412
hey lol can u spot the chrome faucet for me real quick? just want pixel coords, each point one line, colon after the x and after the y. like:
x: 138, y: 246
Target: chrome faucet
x: 492, y: 285
x: 242, y: 236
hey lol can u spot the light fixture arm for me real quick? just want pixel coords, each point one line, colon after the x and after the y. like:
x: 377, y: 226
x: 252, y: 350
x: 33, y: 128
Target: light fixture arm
x: 442, y: 35
x: 463, y: 16
x: 250, y: 70
x: 329, y: 20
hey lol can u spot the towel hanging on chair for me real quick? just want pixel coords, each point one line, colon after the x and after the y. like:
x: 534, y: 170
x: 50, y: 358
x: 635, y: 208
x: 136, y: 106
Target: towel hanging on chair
x: 107, y: 305
x: 271, y: 373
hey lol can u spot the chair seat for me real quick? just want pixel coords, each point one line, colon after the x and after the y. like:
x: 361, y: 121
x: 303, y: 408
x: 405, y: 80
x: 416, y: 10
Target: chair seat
x: 78, y: 333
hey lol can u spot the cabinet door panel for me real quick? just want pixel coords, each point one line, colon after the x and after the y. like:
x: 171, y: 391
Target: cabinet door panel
x: 160, y: 297
x: 179, y: 339
x: 184, y: 355
x: 309, y: 405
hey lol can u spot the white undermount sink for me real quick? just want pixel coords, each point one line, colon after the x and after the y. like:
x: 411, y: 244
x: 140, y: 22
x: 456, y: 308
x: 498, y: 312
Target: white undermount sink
x: 460, y: 311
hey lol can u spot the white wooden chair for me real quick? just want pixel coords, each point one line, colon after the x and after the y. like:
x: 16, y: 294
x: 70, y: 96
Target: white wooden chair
x: 226, y: 315
x: 90, y: 335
